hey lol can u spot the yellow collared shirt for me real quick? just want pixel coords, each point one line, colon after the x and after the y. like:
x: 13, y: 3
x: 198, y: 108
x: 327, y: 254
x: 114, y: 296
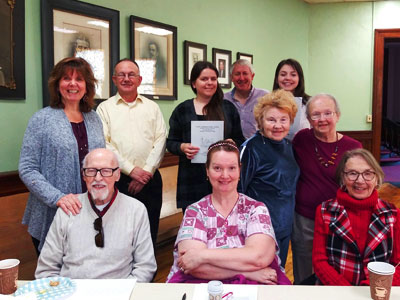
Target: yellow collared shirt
x: 135, y: 131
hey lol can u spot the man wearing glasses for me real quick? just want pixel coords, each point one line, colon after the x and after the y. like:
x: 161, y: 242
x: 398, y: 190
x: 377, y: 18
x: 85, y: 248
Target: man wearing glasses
x: 109, y: 238
x: 135, y: 130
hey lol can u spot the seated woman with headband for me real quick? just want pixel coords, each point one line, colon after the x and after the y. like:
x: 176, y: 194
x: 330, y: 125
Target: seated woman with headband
x: 226, y: 235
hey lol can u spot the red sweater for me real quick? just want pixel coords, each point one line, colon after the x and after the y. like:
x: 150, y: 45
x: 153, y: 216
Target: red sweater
x: 359, y: 213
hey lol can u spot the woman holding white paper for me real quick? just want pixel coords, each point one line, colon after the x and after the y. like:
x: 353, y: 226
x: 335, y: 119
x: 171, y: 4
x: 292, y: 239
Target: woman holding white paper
x: 207, y: 105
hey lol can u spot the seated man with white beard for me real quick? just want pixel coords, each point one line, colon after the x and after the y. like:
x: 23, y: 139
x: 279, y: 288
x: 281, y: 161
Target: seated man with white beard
x: 109, y: 238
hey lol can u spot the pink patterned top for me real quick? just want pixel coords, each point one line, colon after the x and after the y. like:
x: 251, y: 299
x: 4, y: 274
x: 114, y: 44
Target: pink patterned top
x: 202, y: 222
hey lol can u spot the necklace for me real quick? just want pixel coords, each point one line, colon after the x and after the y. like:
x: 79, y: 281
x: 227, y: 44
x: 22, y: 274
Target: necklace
x: 331, y: 161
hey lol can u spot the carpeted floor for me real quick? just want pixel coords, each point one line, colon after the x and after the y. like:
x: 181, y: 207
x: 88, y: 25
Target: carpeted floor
x: 392, y: 174
x: 390, y: 163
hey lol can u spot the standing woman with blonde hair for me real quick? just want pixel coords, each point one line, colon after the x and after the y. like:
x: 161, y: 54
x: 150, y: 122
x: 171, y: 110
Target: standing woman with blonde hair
x: 269, y: 170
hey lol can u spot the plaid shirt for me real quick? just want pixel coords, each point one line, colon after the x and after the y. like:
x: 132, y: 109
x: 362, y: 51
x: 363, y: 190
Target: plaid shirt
x: 342, y: 250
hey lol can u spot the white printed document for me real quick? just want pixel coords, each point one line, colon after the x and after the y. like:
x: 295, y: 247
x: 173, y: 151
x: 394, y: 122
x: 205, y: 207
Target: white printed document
x: 203, y: 134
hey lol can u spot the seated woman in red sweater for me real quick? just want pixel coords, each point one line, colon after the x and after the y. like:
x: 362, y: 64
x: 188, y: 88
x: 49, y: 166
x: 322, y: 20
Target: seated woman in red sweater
x: 356, y: 227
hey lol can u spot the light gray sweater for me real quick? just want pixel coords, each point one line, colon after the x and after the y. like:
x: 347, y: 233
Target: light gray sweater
x: 70, y: 248
x: 49, y: 164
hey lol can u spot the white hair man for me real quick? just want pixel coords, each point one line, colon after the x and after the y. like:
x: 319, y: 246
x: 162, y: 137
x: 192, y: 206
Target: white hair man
x: 244, y: 96
x: 109, y: 238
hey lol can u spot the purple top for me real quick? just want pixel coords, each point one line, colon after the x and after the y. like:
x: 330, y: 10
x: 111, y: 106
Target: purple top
x: 249, y: 124
x: 80, y: 133
x: 316, y: 182
x: 202, y: 222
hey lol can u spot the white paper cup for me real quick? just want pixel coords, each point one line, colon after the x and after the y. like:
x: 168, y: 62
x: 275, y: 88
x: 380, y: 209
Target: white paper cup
x: 380, y: 279
x: 8, y: 276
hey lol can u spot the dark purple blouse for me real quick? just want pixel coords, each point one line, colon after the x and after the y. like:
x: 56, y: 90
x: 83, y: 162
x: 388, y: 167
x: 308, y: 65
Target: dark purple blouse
x: 79, y: 130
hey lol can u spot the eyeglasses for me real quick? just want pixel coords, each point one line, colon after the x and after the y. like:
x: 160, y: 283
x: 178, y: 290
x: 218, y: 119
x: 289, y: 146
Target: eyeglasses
x: 318, y: 116
x: 99, y: 238
x: 105, y: 172
x: 353, y: 175
x: 123, y: 75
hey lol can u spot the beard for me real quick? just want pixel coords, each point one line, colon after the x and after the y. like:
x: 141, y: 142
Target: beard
x: 99, y: 194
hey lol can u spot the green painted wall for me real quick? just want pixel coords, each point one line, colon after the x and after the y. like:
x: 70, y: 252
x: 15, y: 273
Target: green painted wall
x: 270, y: 30
x: 341, y: 46
x: 340, y: 56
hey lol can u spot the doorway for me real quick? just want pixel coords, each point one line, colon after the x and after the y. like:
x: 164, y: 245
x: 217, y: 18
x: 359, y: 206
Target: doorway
x: 382, y: 37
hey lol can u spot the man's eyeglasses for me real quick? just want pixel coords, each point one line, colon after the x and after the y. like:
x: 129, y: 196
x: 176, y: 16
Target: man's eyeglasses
x: 326, y: 115
x: 123, y: 75
x: 353, y: 175
x: 99, y: 237
x: 105, y: 172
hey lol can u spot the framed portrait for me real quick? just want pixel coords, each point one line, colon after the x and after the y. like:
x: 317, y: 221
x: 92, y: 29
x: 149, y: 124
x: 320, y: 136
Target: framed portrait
x: 222, y: 59
x: 153, y: 47
x: 193, y: 52
x: 12, y: 49
x: 75, y: 28
x: 241, y: 55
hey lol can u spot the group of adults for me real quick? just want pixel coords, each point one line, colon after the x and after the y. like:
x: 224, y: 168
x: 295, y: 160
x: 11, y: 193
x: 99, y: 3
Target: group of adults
x: 282, y: 173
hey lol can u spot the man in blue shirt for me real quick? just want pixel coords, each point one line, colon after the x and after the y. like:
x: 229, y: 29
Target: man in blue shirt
x: 244, y: 96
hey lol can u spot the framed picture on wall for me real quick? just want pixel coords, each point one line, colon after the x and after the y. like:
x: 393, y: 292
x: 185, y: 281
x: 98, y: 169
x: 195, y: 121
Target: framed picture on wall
x: 153, y: 47
x: 241, y: 55
x: 12, y: 50
x: 222, y: 59
x: 193, y: 52
x: 75, y: 28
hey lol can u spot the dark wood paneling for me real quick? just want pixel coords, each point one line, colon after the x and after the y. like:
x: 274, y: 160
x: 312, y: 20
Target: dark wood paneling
x: 169, y: 160
x: 15, y: 242
x: 363, y: 136
x: 11, y: 184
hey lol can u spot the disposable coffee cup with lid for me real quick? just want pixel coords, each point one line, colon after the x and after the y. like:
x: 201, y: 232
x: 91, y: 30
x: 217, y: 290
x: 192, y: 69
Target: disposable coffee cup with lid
x: 380, y: 279
x: 215, y: 290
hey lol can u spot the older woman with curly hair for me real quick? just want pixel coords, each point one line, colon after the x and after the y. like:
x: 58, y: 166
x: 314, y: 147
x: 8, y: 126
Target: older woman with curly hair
x: 356, y: 227
x: 269, y: 170
x: 55, y: 142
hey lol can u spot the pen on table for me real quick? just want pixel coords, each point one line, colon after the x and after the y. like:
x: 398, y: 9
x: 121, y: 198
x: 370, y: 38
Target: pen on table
x: 184, y: 296
x: 227, y: 295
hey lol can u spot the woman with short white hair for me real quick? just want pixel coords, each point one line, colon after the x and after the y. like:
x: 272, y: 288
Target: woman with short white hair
x: 318, y: 151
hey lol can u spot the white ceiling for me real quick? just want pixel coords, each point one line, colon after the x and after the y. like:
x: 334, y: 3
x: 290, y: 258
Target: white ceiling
x: 332, y: 1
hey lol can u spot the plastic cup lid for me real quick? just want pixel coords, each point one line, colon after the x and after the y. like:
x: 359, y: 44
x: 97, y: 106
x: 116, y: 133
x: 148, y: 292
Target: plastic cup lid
x: 382, y: 268
x: 215, y: 286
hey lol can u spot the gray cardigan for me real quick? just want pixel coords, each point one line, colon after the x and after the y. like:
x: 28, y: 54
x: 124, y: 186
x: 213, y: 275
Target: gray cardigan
x: 49, y: 164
